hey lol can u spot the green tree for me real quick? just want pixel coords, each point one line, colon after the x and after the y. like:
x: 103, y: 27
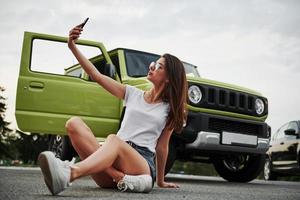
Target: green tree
x: 6, y: 134
x: 30, y: 145
x: 15, y: 144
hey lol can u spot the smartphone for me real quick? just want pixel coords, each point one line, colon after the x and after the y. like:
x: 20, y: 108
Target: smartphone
x: 82, y: 24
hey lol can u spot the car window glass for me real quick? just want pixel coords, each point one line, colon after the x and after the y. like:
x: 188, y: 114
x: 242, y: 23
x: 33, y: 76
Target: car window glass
x: 100, y: 65
x: 76, y: 72
x: 293, y: 125
x: 115, y: 60
x: 137, y: 63
x: 281, y: 134
x: 55, y: 57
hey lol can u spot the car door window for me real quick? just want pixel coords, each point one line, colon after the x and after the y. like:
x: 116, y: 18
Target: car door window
x: 55, y: 58
x: 293, y: 125
x: 280, y: 134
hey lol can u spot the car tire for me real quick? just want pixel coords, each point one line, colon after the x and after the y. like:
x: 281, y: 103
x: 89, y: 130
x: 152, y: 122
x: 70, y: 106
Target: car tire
x: 61, y: 146
x: 171, y: 155
x: 268, y: 173
x: 238, y: 168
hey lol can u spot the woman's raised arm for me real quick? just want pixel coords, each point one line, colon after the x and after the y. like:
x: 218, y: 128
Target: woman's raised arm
x: 115, y: 88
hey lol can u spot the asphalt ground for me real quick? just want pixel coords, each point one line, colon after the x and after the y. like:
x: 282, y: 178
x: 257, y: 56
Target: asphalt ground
x: 27, y: 183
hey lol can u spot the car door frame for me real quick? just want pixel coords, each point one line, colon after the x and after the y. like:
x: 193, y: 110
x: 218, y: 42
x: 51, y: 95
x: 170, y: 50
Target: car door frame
x: 277, y: 147
x: 292, y: 145
x: 37, y: 122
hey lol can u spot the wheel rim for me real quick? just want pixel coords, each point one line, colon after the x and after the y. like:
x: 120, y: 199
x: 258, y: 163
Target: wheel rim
x: 267, y: 170
x: 57, y: 146
x: 236, y: 163
x: 58, y: 138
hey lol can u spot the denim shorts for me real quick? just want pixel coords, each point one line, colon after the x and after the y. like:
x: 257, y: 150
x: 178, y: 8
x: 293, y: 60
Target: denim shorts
x: 148, y: 155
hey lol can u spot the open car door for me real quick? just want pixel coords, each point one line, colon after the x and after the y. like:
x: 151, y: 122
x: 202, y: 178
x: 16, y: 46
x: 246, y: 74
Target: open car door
x: 52, y: 87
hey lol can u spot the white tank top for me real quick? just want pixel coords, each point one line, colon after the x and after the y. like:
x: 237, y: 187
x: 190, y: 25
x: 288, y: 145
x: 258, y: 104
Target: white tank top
x: 143, y: 122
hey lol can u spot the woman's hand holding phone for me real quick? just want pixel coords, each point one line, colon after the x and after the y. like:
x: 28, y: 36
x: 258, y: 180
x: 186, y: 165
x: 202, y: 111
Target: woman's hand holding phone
x: 75, y: 32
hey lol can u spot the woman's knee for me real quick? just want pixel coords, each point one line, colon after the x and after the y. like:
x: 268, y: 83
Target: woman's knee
x: 72, y: 124
x: 112, y: 138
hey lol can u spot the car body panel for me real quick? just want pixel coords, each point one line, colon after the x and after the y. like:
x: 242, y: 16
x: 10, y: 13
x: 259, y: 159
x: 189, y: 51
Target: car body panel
x: 284, y: 151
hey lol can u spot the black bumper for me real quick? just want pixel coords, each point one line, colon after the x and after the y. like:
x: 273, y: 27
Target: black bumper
x: 214, y: 123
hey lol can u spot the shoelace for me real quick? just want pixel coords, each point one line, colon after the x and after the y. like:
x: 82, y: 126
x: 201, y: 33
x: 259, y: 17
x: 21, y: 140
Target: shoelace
x: 123, y: 185
x: 67, y: 163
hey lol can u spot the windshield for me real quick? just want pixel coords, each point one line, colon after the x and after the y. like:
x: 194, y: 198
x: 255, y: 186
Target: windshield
x: 137, y: 64
x: 191, y: 70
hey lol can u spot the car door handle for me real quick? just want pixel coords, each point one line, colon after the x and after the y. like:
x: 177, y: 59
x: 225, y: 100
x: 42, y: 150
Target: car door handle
x: 36, y: 85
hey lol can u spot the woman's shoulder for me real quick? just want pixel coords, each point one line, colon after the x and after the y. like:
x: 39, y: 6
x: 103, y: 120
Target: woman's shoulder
x: 132, y: 93
x: 133, y: 89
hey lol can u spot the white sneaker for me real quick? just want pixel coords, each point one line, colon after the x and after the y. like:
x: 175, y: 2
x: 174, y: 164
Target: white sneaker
x: 140, y: 183
x: 56, y: 172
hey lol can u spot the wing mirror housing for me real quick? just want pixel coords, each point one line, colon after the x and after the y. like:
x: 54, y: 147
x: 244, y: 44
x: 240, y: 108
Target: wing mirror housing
x: 290, y: 132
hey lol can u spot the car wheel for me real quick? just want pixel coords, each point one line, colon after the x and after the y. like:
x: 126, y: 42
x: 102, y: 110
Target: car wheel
x: 238, y: 168
x: 268, y: 174
x: 171, y: 155
x: 61, y: 146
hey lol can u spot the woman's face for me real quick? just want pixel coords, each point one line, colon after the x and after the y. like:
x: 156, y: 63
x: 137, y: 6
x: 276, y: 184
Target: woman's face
x: 157, y: 72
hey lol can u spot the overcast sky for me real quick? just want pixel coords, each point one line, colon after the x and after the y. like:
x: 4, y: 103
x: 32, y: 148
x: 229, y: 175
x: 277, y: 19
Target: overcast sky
x: 251, y: 43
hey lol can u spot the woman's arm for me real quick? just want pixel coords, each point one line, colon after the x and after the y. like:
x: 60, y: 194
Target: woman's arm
x: 112, y: 86
x: 162, y: 149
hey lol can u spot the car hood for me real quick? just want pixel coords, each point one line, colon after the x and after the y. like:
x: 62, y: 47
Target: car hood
x: 144, y: 84
x: 222, y: 85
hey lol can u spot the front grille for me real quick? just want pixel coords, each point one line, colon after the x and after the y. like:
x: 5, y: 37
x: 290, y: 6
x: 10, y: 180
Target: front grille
x: 220, y: 125
x: 229, y: 100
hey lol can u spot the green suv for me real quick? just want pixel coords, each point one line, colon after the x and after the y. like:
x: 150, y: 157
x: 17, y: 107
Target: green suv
x: 225, y: 123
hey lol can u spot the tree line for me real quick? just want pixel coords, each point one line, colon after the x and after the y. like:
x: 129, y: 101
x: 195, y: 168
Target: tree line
x: 15, y: 145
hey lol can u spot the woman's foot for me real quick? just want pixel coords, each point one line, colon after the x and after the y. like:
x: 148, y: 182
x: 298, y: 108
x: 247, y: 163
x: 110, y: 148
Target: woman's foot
x: 56, y: 172
x: 139, y: 183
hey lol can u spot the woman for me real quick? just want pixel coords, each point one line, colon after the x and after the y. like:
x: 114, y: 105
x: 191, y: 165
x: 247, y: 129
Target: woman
x: 125, y: 160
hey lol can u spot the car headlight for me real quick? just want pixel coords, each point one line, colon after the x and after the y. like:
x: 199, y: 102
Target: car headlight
x: 259, y: 106
x: 195, y: 94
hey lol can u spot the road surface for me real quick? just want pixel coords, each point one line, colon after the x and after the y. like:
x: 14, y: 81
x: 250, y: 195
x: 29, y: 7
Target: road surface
x: 27, y: 183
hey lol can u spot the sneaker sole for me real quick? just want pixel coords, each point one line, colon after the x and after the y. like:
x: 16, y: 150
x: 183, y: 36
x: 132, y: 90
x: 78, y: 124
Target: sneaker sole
x: 44, y: 165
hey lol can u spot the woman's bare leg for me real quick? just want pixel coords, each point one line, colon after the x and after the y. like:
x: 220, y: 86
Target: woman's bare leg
x: 85, y: 143
x: 114, y: 152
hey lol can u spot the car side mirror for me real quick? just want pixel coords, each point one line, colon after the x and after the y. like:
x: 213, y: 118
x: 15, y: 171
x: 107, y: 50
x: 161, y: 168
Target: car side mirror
x: 290, y: 132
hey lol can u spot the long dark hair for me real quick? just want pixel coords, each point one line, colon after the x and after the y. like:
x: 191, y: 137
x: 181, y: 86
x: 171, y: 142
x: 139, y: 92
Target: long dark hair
x: 175, y: 92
